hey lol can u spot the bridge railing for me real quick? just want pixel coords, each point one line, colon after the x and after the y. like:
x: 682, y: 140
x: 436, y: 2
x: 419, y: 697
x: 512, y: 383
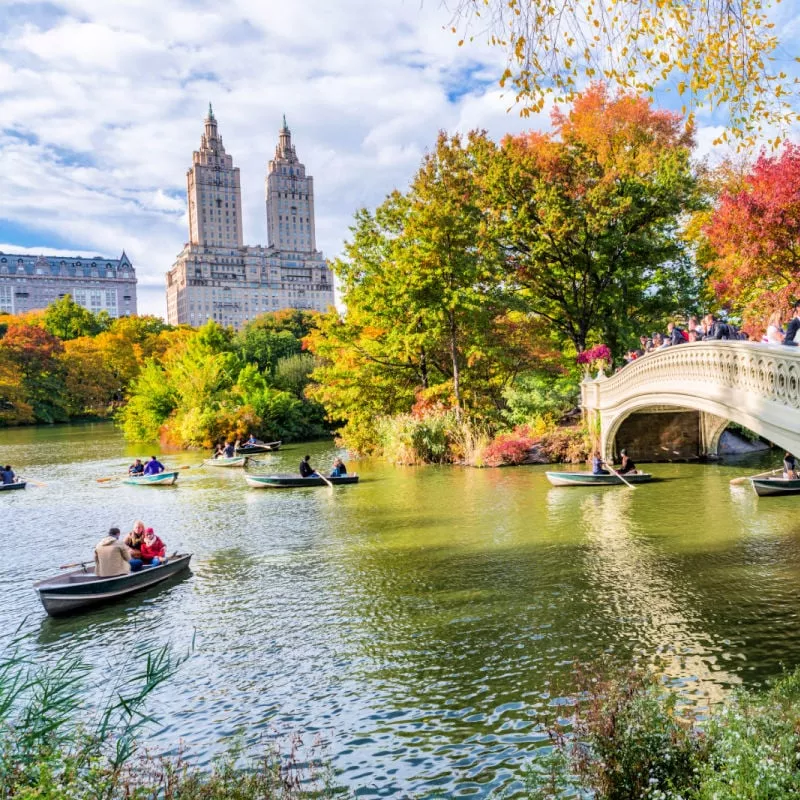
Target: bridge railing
x: 770, y: 371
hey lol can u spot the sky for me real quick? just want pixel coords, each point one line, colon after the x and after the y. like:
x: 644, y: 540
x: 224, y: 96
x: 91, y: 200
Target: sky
x: 102, y: 103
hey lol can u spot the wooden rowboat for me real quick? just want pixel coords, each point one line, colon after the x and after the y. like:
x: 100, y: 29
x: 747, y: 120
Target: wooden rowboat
x: 236, y: 461
x: 81, y: 588
x: 261, y: 447
x: 769, y: 487
x: 9, y: 487
x: 162, y: 479
x: 290, y: 481
x: 590, y: 479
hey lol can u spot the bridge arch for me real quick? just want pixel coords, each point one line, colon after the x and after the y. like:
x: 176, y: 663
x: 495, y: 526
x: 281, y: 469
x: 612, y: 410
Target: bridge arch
x: 755, y: 385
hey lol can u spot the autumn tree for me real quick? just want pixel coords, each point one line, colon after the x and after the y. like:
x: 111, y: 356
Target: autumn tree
x: 752, y: 239
x: 35, y: 355
x: 716, y: 54
x: 429, y: 315
x: 588, y: 218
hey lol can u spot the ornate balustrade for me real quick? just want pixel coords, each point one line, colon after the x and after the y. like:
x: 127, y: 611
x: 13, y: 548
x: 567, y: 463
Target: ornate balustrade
x: 756, y: 385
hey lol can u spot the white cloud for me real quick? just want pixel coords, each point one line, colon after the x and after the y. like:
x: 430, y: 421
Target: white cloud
x: 102, y: 105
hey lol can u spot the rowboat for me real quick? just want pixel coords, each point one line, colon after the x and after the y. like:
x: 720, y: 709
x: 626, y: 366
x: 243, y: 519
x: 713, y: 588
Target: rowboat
x: 590, y: 479
x: 9, y: 487
x: 235, y: 461
x: 261, y: 447
x: 289, y: 481
x: 769, y: 487
x: 162, y: 479
x: 81, y: 588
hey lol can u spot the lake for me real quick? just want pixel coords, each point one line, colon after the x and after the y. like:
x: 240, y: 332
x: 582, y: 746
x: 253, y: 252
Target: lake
x: 417, y: 623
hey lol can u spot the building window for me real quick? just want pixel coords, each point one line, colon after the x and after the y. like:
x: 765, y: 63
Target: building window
x: 6, y: 299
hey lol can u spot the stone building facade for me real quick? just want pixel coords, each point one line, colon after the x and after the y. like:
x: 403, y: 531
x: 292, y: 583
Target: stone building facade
x: 99, y: 284
x: 218, y: 277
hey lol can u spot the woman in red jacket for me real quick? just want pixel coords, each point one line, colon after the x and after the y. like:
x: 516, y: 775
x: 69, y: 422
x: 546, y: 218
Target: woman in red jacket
x: 153, y: 549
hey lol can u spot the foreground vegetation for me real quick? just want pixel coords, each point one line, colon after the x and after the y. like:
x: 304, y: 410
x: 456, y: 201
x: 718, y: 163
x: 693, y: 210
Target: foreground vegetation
x: 54, y: 745
x: 628, y: 738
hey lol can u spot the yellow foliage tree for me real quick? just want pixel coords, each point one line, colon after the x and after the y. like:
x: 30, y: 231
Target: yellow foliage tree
x: 719, y: 54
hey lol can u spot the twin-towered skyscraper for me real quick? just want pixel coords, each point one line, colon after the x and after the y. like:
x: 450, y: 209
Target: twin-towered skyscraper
x: 216, y: 276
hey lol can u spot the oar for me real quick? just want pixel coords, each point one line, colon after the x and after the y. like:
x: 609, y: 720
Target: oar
x: 319, y: 474
x: 76, y: 564
x: 629, y: 485
x: 745, y: 478
x: 30, y: 480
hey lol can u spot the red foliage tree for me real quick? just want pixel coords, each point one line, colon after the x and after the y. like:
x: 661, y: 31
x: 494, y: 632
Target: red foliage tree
x: 754, y: 239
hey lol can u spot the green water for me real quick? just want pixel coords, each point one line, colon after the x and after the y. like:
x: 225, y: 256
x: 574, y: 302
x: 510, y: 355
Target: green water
x: 417, y: 623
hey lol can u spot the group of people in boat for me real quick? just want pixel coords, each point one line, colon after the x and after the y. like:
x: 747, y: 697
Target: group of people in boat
x: 627, y: 467
x: 307, y: 471
x: 141, y: 549
x: 227, y: 449
x: 7, y: 475
x: 152, y: 467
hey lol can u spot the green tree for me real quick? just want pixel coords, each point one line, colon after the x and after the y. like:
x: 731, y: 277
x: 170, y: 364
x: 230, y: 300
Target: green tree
x: 68, y: 320
x: 589, y: 218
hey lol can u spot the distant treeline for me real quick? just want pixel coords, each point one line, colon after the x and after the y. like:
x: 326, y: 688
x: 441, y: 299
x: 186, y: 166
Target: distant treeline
x: 184, y: 386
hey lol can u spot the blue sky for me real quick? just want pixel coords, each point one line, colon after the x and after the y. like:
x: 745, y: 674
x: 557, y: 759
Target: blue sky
x: 102, y: 104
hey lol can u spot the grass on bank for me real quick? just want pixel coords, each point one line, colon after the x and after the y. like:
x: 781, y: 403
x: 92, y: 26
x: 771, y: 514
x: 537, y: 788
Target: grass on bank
x: 55, y: 746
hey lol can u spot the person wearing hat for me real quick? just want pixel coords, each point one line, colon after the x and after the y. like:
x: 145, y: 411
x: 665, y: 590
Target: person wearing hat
x: 111, y: 556
x: 154, y: 551
x: 627, y: 467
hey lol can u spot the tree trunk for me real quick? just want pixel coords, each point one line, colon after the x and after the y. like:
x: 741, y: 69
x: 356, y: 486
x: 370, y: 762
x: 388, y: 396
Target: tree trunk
x: 423, y: 368
x: 454, y: 358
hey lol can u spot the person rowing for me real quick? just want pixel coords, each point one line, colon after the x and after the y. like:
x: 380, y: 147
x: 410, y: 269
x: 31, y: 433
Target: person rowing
x: 789, y: 467
x: 306, y: 470
x: 7, y: 475
x: 627, y: 467
x: 153, y: 467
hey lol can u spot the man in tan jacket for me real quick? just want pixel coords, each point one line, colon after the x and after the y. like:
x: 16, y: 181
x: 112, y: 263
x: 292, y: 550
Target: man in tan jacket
x: 111, y: 556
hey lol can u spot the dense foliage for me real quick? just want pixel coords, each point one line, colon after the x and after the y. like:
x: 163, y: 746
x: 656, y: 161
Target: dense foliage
x: 630, y: 738
x: 220, y: 385
x: 469, y: 291
x: 66, y: 363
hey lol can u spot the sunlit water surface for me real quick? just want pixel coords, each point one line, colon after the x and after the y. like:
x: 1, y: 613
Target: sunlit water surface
x: 420, y: 622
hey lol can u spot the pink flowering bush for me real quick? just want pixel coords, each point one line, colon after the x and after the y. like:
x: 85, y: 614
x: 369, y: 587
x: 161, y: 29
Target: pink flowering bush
x: 595, y: 356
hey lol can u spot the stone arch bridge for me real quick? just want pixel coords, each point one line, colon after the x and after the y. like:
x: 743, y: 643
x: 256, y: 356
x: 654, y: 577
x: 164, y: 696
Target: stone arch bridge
x: 675, y: 403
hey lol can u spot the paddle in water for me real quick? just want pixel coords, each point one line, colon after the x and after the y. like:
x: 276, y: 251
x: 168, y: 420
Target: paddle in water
x: 746, y: 478
x: 619, y: 475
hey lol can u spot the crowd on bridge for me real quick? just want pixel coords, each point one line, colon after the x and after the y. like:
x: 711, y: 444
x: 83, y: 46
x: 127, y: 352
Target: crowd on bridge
x: 714, y: 329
